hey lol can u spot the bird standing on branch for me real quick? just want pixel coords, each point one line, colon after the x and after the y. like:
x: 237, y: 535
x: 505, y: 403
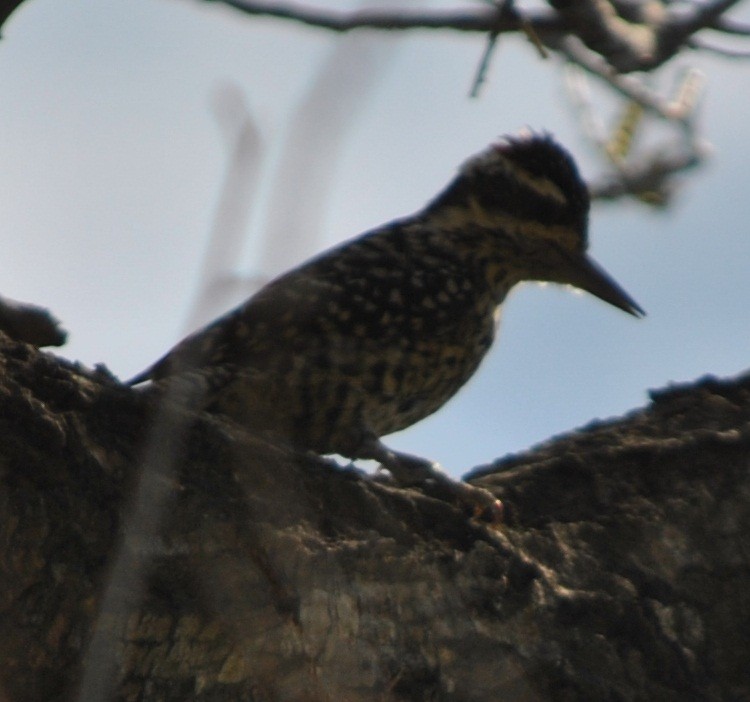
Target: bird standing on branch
x: 379, y: 332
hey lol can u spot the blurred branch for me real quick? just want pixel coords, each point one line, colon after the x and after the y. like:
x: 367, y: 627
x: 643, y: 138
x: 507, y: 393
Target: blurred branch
x: 219, y: 283
x: 628, y: 86
x: 647, y: 174
x: 575, y: 51
x: 728, y: 26
x: 650, y: 178
x: 723, y: 51
x: 316, y: 136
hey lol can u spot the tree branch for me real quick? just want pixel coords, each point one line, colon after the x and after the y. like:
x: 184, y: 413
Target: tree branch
x: 630, y: 36
x: 30, y: 323
x: 274, y: 575
x: 625, y: 45
x: 677, y: 29
x: 488, y: 19
x: 628, y: 86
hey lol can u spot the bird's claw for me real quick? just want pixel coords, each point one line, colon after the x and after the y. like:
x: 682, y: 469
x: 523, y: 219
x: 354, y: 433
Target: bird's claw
x: 413, y: 471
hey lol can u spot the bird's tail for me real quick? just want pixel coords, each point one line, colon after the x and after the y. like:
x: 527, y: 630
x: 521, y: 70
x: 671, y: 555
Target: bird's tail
x: 142, y: 377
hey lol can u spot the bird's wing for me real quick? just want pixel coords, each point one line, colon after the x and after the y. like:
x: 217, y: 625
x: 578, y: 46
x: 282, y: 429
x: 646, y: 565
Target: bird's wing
x: 286, y: 307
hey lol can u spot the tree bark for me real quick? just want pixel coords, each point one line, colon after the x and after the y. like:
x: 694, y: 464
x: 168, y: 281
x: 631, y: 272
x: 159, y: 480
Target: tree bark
x: 622, y: 571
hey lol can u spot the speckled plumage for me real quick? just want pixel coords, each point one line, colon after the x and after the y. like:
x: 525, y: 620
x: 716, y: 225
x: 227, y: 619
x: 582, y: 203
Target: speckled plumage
x: 379, y: 332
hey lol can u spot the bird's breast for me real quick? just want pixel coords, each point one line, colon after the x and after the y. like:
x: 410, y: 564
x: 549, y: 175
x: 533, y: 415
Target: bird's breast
x: 402, y: 371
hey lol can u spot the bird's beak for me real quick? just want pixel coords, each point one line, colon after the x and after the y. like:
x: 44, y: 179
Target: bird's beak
x: 587, y: 275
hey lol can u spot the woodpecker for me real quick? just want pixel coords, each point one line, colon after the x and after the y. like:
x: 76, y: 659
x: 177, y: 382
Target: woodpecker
x: 381, y: 331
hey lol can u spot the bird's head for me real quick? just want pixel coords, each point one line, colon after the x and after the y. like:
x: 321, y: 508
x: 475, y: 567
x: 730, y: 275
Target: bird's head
x: 526, y: 191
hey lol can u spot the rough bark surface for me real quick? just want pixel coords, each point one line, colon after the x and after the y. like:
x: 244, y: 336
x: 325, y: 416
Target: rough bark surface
x: 622, y: 573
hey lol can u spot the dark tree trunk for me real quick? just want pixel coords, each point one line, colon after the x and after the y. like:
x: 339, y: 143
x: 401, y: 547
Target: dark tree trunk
x: 232, y: 569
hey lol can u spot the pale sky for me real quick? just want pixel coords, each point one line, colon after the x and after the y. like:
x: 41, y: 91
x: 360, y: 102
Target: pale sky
x: 113, y: 162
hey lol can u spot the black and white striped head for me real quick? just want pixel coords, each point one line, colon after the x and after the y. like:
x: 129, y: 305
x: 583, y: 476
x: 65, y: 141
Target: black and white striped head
x: 528, y: 192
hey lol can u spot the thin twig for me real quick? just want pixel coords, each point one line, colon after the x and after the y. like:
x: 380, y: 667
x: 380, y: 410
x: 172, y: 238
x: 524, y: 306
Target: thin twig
x: 532, y: 36
x: 481, y: 75
x: 503, y: 8
x: 726, y: 25
x: 579, y: 88
x: 705, y: 15
x: 722, y: 51
x: 628, y: 86
x: 650, y: 175
x: 647, y: 177
x: 677, y: 30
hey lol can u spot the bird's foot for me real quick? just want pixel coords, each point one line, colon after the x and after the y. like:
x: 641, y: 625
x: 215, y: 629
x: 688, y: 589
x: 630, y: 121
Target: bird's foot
x: 409, y: 470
